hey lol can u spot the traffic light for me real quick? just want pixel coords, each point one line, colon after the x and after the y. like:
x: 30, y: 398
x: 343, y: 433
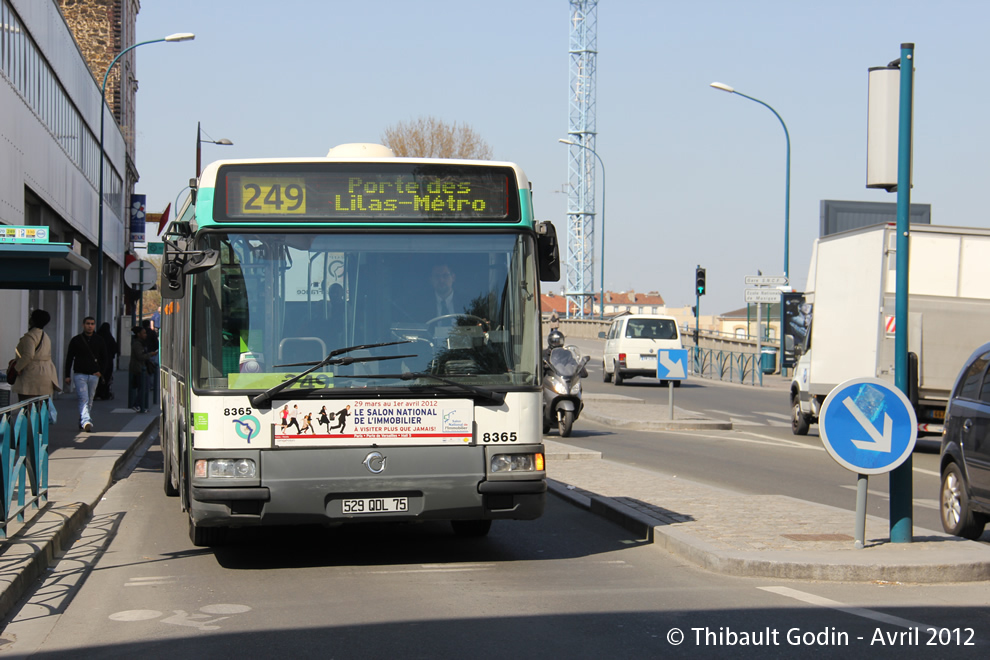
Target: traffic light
x: 699, y: 280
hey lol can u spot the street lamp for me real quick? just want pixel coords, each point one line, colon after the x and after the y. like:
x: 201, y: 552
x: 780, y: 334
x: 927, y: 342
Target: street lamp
x: 200, y: 141
x: 180, y: 36
x: 601, y: 302
x: 787, y: 190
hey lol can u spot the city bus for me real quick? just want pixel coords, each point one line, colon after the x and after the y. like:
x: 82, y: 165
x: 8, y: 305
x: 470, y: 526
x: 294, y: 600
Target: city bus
x: 354, y: 338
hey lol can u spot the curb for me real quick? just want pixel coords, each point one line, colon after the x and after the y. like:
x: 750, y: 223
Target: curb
x: 805, y: 566
x: 42, y: 541
x: 659, y: 425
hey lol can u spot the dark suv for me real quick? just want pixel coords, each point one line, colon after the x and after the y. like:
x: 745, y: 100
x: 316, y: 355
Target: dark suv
x: 964, y: 499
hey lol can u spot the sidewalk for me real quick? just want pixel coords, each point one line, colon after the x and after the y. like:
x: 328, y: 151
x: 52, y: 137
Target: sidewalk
x: 747, y: 535
x: 80, y: 470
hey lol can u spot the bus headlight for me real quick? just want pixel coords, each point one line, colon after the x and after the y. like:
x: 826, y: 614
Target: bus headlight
x: 226, y: 468
x: 517, y: 462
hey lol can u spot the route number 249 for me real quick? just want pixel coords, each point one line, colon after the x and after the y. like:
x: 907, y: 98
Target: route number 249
x: 275, y: 197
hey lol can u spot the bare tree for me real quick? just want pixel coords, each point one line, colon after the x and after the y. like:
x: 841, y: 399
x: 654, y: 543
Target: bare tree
x: 429, y: 137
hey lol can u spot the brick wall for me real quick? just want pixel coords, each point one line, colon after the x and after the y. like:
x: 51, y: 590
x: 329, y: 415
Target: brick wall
x: 102, y: 28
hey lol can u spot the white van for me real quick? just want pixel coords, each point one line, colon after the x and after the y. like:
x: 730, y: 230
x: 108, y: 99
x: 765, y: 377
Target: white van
x: 632, y: 343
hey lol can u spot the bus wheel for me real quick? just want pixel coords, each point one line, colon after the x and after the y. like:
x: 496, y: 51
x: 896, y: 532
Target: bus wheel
x: 471, y: 529
x: 205, y: 537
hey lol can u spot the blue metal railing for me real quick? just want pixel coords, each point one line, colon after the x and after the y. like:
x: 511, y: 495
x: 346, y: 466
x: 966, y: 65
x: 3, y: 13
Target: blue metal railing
x: 732, y: 366
x: 23, y: 458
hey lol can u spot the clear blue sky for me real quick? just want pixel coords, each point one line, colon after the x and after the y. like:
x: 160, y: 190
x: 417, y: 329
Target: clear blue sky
x: 694, y: 175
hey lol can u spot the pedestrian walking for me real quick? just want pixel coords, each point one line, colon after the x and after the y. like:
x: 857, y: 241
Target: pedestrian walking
x: 104, y: 391
x: 36, y: 373
x: 137, y: 370
x: 154, y: 371
x: 85, y: 360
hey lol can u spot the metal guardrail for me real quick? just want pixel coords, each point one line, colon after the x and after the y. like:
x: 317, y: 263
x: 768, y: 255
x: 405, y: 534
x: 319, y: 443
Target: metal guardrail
x: 23, y: 458
x: 732, y: 366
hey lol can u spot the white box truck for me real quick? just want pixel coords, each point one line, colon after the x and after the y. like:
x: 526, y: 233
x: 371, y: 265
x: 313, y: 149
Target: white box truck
x: 852, y: 286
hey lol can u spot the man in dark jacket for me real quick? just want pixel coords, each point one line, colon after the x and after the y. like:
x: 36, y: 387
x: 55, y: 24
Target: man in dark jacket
x: 151, y: 343
x: 137, y: 370
x: 85, y: 360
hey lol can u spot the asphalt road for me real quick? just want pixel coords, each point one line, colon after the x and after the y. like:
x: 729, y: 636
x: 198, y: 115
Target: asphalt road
x: 568, y: 585
x: 760, y: 454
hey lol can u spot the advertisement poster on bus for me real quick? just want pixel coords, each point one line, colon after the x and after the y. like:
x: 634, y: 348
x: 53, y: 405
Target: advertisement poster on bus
x: 796, y: 322
x: 341, y: 423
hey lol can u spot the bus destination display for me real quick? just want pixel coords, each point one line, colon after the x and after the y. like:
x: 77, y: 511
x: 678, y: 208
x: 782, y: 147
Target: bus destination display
x: 387, y: 193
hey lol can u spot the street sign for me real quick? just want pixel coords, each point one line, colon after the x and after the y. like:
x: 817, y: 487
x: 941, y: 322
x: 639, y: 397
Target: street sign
x: 765, y: 280
x: 156, y: 248
x: 140, y: 275
x: 762, y: 295
x: 868, y: 426
x: 672, y: 364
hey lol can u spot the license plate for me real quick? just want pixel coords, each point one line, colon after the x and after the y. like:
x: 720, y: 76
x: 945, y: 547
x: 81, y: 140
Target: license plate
x: 649, y: 356
x: 938, y: 414
x: 375, y: 505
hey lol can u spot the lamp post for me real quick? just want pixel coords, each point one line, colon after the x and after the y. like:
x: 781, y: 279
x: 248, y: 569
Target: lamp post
x: 200, y: 141
x: 180, y: 36
x: 601, y: 302
x: 787, y: 188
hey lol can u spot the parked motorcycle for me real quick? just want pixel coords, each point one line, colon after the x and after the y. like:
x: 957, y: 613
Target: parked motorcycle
x: 562, y: 374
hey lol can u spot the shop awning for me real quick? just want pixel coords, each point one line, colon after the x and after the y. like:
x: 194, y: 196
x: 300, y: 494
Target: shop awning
x: 44, y: 266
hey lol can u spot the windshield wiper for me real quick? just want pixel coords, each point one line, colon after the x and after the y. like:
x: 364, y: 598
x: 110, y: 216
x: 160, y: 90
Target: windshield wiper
x: 491, y: 395
x: 260, y: 400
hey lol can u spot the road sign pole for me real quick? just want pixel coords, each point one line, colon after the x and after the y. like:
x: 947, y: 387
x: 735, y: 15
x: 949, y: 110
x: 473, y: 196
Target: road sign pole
x: 670, y: 397
x: 862, y: 484
x: 869, y: 427
x: 901, y: 486
x: 697, y: 337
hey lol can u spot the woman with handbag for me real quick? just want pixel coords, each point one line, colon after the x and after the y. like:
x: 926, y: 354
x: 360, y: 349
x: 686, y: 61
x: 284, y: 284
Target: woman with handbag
x: 36, y: 375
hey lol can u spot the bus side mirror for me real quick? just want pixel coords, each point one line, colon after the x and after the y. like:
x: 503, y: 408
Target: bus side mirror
x: 179, y: 261
x: 549, y: 252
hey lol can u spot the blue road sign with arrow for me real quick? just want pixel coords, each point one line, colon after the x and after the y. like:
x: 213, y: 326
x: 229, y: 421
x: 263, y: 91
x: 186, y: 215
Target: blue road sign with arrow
x: 672, y: 364
x: 868, y: 426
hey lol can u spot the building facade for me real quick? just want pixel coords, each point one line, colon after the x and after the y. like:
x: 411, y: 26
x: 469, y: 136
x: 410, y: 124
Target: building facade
x: 53, y: 56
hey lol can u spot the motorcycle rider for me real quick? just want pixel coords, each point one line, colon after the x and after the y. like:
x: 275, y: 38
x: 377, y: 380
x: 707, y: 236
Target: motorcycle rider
x: 554, y: 340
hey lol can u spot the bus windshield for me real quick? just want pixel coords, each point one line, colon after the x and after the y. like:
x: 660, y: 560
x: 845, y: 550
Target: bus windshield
x: 462, y: 305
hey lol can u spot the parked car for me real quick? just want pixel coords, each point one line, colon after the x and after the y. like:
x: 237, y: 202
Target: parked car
x: 631, y: 346
x: 964, y: 499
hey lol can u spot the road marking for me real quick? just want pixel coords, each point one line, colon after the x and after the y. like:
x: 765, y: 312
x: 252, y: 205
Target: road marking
x: 741, y: 421
x: 928, y: 472
x: 773, y: 414
x: 135, y: 615
x: 819, y: 601
x: 437, y: 568
x: 150, y: 581
x: 925, y: 504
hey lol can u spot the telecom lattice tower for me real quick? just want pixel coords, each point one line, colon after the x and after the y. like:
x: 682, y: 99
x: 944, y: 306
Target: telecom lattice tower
x: 580, y: 281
